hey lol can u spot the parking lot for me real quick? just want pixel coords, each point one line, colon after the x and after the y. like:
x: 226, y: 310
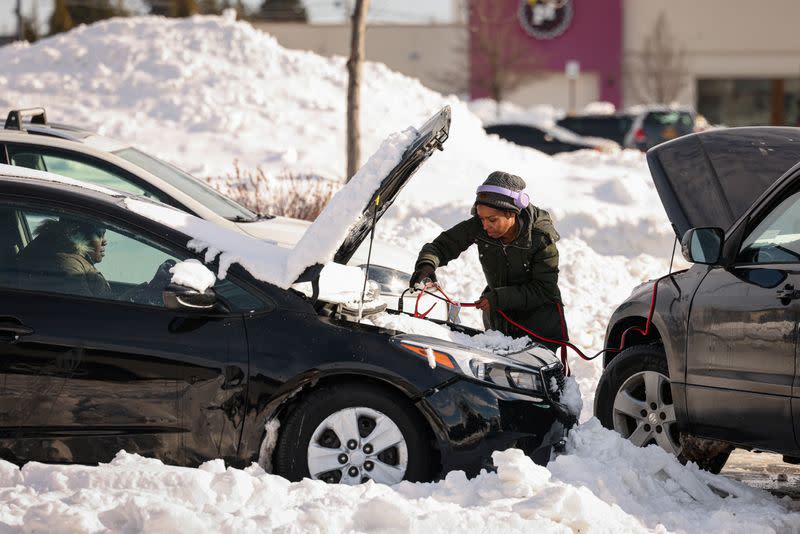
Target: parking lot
x: 766, y: 471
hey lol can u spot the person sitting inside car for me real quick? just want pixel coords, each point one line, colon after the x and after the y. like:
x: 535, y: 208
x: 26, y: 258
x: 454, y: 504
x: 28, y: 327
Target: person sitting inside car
x: 62, y: 258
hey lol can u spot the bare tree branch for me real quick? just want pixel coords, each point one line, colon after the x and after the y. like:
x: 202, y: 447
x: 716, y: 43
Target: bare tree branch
x: 508, y: 60
x: 659, y: 73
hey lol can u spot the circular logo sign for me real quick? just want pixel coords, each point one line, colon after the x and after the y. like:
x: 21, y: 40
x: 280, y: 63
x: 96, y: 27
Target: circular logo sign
x: 545, y: 19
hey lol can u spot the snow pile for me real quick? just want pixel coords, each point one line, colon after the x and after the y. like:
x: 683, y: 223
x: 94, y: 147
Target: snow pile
x: 603, y: 485
x: 493, y: 112
x: 204, y: 92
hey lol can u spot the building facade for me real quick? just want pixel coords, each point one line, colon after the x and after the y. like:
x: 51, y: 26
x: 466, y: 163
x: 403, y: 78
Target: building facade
x: 435, y: 54
x: 735, y: 61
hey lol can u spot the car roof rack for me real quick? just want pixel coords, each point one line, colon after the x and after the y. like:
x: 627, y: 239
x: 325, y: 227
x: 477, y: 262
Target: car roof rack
x: 15, y: 117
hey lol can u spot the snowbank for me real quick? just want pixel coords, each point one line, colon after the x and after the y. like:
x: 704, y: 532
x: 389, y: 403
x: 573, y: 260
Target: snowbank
x: 604, y: 484
x: 204, y: 92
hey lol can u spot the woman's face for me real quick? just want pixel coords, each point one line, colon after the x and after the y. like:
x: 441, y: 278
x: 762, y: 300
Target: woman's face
x: 97, y: 248
x: 496, y: 223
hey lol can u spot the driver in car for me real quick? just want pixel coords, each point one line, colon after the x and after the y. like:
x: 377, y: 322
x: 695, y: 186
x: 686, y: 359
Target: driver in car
x: 64, y: 253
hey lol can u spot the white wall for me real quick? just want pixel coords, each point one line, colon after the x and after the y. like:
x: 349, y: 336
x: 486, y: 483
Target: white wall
x: 554, y: 90
x: 434, y: 54
x: 722, y: 38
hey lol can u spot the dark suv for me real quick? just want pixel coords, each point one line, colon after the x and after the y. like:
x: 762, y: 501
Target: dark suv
x: 718, y: 366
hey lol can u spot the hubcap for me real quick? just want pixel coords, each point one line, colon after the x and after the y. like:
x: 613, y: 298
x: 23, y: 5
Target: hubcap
x: 644, y: 412
x: 368, y: 441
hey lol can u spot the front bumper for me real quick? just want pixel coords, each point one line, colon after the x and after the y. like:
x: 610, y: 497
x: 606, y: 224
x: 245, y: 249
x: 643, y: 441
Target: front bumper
x: 471, y: 420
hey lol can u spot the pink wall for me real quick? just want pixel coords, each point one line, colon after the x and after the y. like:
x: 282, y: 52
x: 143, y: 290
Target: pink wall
x: 593, y: 38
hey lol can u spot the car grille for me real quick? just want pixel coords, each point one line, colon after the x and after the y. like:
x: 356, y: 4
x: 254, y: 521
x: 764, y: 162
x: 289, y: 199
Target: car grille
x: 553, y: 379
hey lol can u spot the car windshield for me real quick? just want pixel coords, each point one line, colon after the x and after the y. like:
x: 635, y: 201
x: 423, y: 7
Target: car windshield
x: 216, y: 202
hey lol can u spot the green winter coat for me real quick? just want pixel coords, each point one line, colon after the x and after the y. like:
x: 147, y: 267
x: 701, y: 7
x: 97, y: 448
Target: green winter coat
x: 522, y: 276
x: 55, y: 261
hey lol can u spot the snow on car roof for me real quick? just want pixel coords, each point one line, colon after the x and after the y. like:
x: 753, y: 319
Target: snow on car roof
x: 24, y: 172
x: 265, y: 261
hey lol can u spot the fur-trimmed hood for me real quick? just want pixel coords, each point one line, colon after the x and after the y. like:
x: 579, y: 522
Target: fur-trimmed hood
x: 56, y: 236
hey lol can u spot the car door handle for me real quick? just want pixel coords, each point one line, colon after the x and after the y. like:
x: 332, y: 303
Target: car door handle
x: 788, y: 293
x: 14, y: 330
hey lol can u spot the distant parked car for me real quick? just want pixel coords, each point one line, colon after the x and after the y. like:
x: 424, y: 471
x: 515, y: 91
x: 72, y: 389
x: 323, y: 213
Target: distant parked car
x: 550, y: 140
x: 614, y: 127
x: 718, y: 366
x: 185, y: 375
x: 641, y: 127
x: 29, y: 140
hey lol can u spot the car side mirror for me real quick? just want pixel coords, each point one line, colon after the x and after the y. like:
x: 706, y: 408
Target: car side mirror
x: 185, y: 298
x: 703, y: 245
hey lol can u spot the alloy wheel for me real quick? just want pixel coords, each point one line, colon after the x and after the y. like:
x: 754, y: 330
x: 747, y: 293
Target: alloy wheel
x: 644, y: 413
x: 354, y: 445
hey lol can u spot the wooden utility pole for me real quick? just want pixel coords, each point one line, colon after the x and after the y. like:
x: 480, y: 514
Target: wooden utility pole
x: 354, y: 68
x: 20, y: 21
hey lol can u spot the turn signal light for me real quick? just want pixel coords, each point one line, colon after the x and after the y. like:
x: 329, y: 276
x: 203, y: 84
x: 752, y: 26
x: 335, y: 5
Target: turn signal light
x: 441, y: 358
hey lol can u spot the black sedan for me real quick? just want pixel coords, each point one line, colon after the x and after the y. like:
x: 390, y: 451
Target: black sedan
x: 244, y: 370
x: 550, y: 140
x: 717, y: 365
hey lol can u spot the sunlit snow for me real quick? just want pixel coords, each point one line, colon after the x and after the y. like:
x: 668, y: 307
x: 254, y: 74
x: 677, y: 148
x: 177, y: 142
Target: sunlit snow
x: 205, y: 92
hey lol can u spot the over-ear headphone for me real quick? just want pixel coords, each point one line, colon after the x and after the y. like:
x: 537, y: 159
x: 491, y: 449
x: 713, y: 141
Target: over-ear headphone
x: 521, y: 199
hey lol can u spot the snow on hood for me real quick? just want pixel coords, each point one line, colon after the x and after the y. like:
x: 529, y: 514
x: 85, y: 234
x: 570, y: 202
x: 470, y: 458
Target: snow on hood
x: 267, y: 261
x: 331, y: 227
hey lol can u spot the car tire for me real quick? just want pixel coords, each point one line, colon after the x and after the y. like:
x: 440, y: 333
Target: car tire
x: 635, y: 400
x: 350, y: 433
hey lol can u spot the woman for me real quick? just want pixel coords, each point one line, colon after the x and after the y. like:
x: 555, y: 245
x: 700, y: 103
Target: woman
x: 63, y: 256
x: 517, y: 250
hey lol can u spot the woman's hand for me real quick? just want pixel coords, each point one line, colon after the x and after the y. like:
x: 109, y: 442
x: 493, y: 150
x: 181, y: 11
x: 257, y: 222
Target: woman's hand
x: 483, y: 304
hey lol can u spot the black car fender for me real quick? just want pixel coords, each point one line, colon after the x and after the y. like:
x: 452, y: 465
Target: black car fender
x: 264, y: 407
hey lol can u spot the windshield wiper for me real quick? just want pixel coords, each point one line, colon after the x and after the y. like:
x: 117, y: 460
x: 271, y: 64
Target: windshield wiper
x: 257, y: 217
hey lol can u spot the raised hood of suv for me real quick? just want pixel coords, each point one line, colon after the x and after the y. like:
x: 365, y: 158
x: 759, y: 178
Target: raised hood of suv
x: 712, y: 178
x: 429, y: 137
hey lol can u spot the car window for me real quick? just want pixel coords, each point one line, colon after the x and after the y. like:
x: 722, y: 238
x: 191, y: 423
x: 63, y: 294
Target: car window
x: 776, y: 239
x: 77, y: 254
x: 665, y: 118
x: 75, y: 166
x: 665, y: 125
x: 518, y: 134
x: 613, y: 127
x: 216, y: 202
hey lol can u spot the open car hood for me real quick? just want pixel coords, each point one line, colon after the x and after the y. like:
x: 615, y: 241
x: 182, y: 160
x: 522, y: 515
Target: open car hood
x: 712, y: 178
x: 429, y: 137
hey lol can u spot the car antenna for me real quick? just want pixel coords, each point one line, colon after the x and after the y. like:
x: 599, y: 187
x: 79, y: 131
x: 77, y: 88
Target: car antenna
x: 369, y: 255
x: 671, y: 261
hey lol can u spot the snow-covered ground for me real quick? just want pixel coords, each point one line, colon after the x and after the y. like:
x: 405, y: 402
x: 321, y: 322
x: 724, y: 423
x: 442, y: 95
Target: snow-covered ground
x: 206, y: 92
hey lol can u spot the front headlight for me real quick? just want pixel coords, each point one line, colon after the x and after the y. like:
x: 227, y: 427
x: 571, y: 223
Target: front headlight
x: 506, y: 376
x: 392, y: 281
x: 479, y: 367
